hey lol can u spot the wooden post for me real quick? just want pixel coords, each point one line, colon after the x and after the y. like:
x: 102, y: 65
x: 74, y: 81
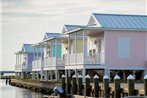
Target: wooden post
x: 80, y: 85
x: 130, y: 79
x: 74, y: 84
x: 117, y: 86
x: 87, y: 85
x: 106, y: 86
x: 63, y: 83
x: 68, y: 83
x: 96, y: 86
x: 145, y: 85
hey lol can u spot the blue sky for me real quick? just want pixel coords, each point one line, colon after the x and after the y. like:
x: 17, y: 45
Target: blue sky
x: 26, y: 21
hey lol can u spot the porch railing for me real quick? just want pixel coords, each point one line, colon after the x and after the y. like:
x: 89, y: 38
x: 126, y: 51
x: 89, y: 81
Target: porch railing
x: 37, y: 64
x: 53, y: 62
x: 78, y: 58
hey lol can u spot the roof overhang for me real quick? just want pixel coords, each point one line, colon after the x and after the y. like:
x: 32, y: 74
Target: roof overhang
x: 37, y: 44
x: 86, y: 28
x: 60, y: 37
x: 20, y: 52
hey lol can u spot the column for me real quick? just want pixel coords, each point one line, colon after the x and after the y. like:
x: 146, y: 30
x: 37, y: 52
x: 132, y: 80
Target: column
x: 68, y: 59
x: 107, y: 72
x: 22, y: 75
x: 56, y: 75
x: 33, y: 75
x: 37, y: 75
x: 46, y: 75
x: 19, y: 61
x: 76, y: 48
x: 55, y: 47
x: 66, y: 76
x: 51, y: 77
x: 76, y: 72
x: 69, y: 73
x: 84, y: 46
x: 41, y: 74
x: 16, y: 59
x: 84, y: 74
x: 16, y: 66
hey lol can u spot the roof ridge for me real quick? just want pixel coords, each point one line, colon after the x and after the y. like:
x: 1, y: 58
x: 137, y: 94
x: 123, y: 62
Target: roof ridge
x: 51, y: 33
x: 120, y: 14
x: 72, y: 25
x: 27, y: 44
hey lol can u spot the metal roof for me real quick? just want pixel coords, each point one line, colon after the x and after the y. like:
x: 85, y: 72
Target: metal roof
x: 49, y: 35
x: 27, y: 48
x: 121, y: 21
x: 58, y: 36
x: 71, y: 27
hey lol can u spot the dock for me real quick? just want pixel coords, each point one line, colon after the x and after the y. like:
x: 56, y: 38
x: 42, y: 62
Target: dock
x: 45, y: 87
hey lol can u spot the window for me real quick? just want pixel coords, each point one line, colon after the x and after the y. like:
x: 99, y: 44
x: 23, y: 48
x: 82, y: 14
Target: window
x: 123, y: 47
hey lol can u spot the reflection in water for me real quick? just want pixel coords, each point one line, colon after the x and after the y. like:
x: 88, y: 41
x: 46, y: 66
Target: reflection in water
x: 7, y: 91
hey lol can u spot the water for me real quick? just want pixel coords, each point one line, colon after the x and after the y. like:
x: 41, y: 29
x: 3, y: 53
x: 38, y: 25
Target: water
x: 7, y: 91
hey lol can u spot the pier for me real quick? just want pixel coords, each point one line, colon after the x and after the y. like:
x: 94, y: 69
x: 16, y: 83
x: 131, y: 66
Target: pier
x: 38, y: 86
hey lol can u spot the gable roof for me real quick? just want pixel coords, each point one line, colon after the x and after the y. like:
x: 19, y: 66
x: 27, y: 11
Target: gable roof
x: 27, y: 48
x: 70, y: 28
x: 120, y: 21
x: 49, y: 35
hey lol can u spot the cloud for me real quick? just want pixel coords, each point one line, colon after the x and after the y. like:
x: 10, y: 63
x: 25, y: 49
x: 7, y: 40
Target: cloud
x: 37, y: 8
x: 27, y: 20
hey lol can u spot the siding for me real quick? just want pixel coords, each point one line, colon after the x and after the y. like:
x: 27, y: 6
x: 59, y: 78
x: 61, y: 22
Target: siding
x: 137, y: 59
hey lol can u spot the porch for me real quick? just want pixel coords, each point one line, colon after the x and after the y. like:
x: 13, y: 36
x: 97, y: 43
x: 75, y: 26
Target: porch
x: 86, y: 47
x: 54, y: 63
x: 37, y: 65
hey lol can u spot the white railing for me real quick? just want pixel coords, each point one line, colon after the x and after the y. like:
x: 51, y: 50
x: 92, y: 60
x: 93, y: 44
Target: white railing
x: 72, y: 59
x: 37, y: 64
x: 49, y: 62
x: 102, y: 59
x: 18, y: 67
x: 61, y: 62
x: 54, y: 61
x: 78, y: 58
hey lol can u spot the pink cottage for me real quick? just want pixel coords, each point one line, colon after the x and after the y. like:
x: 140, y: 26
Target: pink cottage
x: 109, y: 44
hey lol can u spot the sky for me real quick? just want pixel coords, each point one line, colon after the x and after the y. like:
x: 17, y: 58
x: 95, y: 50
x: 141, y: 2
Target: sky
x: 26, y: 21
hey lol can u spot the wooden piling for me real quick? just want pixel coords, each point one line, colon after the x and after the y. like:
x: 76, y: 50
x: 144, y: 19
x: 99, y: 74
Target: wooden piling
x: 96, y: 86
x: 106, y: 86
x: 74, y: 84
x: 130, y: 79
x: 80, y: 84
x: 87, y: 85
x: 117, y: 87
x: 63, y: 83
x: 145, y: 85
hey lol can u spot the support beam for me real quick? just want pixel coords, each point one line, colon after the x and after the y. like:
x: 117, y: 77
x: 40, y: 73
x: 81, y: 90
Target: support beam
x: 46, y: 75
x: 107, y: 72
x: 66, y: 76
x: 33, y: 75
x: 56, y: 75
x: 51, y: 76
x: 84, y: 74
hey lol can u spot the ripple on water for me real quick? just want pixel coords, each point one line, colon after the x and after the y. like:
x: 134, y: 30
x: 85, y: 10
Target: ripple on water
x: 7, y: 91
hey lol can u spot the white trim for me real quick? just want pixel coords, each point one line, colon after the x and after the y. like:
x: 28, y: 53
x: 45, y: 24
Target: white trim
x: 146, y: 47
x: 105, y: 52
x: 125, y: 68
x: 98, y: 24
x: 64, y: 27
